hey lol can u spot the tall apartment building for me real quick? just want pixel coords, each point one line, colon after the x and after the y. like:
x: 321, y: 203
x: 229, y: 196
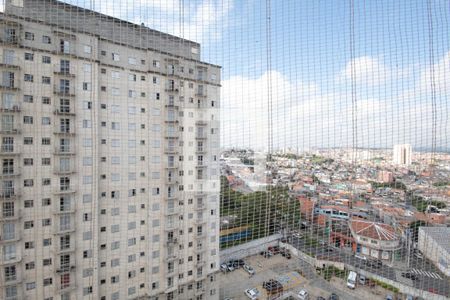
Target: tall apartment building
x: 402, y: 154
x: 109, y: 186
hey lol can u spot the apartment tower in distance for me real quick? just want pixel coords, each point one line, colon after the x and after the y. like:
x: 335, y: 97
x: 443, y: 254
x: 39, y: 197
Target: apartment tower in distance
x: 109, y: 147
x: 402, y: 154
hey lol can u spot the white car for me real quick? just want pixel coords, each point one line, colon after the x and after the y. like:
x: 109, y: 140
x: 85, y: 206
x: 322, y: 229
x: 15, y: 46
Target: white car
x: 303, y: 295
x: 249, y: 269
x: 360, y: 256
x: 252, y: 293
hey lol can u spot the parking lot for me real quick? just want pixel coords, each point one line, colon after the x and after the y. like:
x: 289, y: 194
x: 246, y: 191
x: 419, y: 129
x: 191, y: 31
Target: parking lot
x: 234, y: 283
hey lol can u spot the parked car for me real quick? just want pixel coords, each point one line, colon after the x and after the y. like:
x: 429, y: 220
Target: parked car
x: 333, y: 296
x: 224, y: 267
x: 375, y: 264
x: 362, y: 279
x: 411, y: 276
x: 389, y: 297
x: 320, y: 298
x: 252, y: 293
x: 249, y: 269
x: 230, y: 266
x: 297, y: 235
x: 285, y: 252
x: 418, y: 254
x: 360, y: 256
x: 272, y: 286
x: 303, y: 295
x: 266, y: 254
x: 274, y: 249
x: 237, y: 263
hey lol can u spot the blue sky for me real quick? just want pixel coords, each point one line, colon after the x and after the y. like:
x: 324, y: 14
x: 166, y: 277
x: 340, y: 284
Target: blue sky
x: 312, y: 66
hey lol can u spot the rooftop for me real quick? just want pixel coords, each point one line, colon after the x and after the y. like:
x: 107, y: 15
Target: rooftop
x: 373, y: 230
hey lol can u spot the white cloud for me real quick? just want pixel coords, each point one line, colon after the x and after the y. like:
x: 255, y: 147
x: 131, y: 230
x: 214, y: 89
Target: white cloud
x: 366, y: 70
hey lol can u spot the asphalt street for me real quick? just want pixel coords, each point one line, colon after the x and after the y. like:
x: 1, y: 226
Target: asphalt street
x: 427, y: 277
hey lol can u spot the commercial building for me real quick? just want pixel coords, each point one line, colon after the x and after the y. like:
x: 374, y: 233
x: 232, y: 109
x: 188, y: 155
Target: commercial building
x: 376, y: 240
x: 109, y: 146
x: 434, y: 243
x: 402, y: 154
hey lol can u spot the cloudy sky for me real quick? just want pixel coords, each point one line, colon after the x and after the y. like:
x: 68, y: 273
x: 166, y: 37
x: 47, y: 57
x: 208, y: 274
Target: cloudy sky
x: 400, y: 67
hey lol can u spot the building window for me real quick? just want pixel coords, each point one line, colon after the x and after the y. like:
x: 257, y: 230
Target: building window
x: 46, y: 39
x: 46, y: 59
x: 29, y: 36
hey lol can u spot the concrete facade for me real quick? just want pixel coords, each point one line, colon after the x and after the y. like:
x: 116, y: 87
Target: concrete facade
x: 110, y: 143
x: 434, y: 243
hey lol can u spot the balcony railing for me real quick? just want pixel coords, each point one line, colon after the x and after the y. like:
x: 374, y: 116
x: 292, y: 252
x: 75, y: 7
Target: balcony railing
x: 61, y: 191
x: 64, y: 229
x: 64, y: 171
x: 10, y: 172
x: 64, y: 150
x: 64, y: 112
x: 9, y: 62
x: 64, y: 72
x: 201, y: 123
x: 172, y: 135
x: 9, y: 193
x: 11, y: 215
x: 171, y: 150
x: 200, y: 136
x: 10, y: 84
x: 11, y: 108
x: 15, y: 129
x: 172, y: 240
x: 64, y: 91
x: 9, y: 149
x: 172, y: 211
x: 65, y: 130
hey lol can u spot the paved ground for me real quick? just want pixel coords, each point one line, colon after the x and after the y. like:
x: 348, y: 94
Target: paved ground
x: 429, y: 278
x: 234, y: 283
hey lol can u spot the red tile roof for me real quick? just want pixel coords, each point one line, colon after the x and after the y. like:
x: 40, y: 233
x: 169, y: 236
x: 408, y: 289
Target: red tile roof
x: 373, y: 230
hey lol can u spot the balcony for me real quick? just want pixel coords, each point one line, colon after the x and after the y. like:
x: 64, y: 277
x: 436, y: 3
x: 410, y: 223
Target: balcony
x: 200, y: 263
x: 200, y: 235
x: 201, y: 164
x: 10, y: 172
x: 11, y: 215
x: 199, y: 292
x: 9, y: 194
x: 172, y: 179
x: 201, y: 92
x: 198, y: 222
x: 64, y: 191
x: 15, y: 129
x: 172, y: 211
x: 170, y: 257
x: 199, y: 250
x: 9, y: 62
x: 65, y: 287
x: 16, y: 258
x: 64, y: 171
x: 172, y: 135
x: 61, y: 269
x: 171, y: 150
x: 172, y: 165
x: 66, y: 249
x: 9, y: 150
x: 65, y: 131
x: 64, y: 111
x: 200, y: 206
x: 12, y: 279
x: 201, y: 123
x: 63, y: 71
x: 11, y: 108
x: 172, y: 120
x: 171, y: 226
x: 68, y: 209
x: 10, y: 85
x: 64, y: 150
x: 172, y: 241
x: 64, y: 91
x: 201, y: 136
x: 171, y: 104
x: 59, y: 229
x: 171, y: 89
x: 200, y: 150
